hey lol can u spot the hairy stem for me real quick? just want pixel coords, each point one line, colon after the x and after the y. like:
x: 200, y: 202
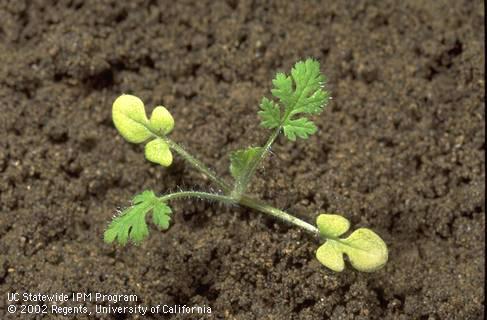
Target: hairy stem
x: 241, y: 185
x: 197, y: 194
x: 282, y: 215
x: 197, y: 164
x: 239, y: 198
x: 192, y: 160
x: 247, y: 202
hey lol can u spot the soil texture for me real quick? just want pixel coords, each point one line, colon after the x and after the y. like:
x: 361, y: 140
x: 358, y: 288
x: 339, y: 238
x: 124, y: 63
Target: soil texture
x: 399, y: 150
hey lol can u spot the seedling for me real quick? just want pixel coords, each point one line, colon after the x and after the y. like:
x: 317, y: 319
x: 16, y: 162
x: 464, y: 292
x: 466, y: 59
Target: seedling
x: 296, y: 97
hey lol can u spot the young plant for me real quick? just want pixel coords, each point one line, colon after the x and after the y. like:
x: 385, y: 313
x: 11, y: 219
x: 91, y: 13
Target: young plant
x: 296, y: 97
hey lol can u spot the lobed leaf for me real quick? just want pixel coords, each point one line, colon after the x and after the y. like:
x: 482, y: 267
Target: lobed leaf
x: 283, y: 89
x: 131, y: 224
x: 161, y: 215
x: 309, y: 97
x: 300, y: 93
x: 269, y: 113
x: 301, y: 128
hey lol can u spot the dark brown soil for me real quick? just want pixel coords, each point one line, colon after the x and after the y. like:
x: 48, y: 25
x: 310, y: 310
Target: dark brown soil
x: 400, y: 149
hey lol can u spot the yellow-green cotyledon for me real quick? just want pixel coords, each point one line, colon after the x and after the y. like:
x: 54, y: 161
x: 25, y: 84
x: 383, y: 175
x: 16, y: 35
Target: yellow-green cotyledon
x: 129, y: 117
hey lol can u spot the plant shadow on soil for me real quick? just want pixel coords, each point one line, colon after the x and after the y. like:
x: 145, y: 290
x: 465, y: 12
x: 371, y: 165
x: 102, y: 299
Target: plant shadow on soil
x: 399, y: 149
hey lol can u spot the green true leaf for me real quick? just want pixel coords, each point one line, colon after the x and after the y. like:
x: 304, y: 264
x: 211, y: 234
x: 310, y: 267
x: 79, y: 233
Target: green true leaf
x: 301, y: 127
x: 129, y: 117
x: 270, y: 114
x: 158, y: 151
x: 309, y: 97
x: 283, y: 89
x: 366, y: 251
x: 332, y: 225
x: 131, y: 224
x: 300, y: 93
x: 241, y: 160
x: 161, y: 215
